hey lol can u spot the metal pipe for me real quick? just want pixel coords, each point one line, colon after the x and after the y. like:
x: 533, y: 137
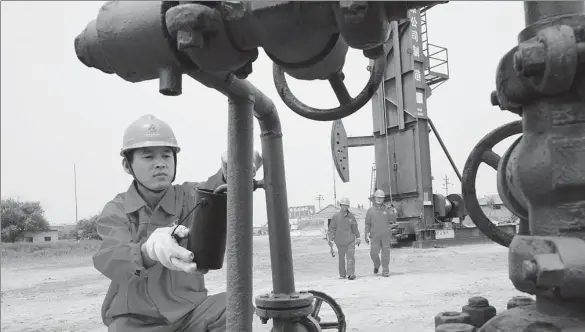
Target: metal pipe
x: 535, y: 11
x: 445, y: 149
x: 239, y: 241
x: 274, y: 173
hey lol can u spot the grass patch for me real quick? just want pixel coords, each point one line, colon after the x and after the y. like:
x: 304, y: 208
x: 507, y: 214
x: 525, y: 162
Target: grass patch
x: 17, y: 252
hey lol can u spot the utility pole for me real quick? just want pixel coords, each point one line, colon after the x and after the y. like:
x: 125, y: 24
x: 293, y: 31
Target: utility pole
x: 446, y: 184
x: 75, y: 186
x: 319, y: 198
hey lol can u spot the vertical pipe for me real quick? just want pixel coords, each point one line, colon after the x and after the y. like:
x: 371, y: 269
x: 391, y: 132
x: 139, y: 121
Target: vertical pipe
x: 283, y: 280
x: 239, y: 310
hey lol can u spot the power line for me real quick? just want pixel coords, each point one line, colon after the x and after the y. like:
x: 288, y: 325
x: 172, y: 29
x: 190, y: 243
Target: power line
x: 320, y: 198
x: 446, y: 184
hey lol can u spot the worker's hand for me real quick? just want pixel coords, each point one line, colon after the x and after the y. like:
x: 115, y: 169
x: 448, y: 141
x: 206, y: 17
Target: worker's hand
x: 367, y: 238
x: 162, y: 247
x: 331, y: 243
x: 357, y: 241
x: 257, y: 162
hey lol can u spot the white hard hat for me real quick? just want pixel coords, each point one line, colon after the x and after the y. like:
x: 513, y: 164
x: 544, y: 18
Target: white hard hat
x: 380, y: 193
x: 344, y: 201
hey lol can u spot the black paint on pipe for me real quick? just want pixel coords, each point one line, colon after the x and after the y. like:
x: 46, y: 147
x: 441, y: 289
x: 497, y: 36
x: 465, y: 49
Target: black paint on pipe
x: 240, y: 309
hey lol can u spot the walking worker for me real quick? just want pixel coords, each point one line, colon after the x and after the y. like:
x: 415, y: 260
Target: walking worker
x: 154, y: 286
x: 343, y: 231
x: 380, y: 220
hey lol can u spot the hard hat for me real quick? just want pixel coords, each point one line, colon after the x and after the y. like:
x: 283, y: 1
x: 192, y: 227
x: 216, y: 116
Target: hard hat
x: 148, y: 131
x: 344, y: 201
x: 380, y: 193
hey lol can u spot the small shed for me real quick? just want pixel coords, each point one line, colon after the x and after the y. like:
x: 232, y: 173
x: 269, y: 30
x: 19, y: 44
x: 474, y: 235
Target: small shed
x: 51, y: 235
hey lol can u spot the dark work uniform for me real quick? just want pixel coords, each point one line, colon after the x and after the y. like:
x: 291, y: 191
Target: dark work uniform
x: 343, y: 231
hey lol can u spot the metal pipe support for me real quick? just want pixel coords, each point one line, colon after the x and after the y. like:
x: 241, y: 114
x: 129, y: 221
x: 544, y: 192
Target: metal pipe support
x: 274, y: 173
x: 239, y: 244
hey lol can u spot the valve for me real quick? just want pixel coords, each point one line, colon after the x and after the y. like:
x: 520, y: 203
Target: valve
x: 348, y: 105
x: 483, y: 153
x: 301, y: 308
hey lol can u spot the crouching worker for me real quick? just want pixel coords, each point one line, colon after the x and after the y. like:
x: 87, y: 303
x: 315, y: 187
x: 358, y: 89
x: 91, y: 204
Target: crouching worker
x: 343, y: 231
x: 155, y: 286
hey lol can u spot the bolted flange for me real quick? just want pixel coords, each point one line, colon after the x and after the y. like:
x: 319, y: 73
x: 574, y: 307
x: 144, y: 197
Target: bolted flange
x: 290, y: 306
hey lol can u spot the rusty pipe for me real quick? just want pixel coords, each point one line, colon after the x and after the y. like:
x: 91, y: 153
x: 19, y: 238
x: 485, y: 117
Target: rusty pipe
x: 239, y: 239
x: 274, y: 172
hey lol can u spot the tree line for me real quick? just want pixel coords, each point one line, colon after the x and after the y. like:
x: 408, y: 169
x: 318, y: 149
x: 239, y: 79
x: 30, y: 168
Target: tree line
x: 19, y: 217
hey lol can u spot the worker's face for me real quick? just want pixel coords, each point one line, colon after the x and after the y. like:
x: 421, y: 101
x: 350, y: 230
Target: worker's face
x: 379, y: 200
x: 344, y: 207
x: 154, y: 167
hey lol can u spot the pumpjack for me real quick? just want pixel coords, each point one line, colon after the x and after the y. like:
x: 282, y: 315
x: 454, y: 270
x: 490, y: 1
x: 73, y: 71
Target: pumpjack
x: 541, y: 177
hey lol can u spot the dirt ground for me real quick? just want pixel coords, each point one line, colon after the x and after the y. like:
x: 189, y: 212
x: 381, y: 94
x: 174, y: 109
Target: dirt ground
x: 66, y: 294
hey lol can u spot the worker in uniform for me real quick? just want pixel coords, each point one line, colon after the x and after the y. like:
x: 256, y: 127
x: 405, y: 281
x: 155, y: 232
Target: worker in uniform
x: 343, y: 231
x: 380, y: 220
x: 154, y: 286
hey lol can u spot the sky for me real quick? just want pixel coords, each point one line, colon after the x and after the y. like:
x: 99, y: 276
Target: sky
x: 57, y: 113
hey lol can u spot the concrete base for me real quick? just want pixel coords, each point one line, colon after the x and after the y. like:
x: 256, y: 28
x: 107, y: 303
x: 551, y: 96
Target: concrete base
x: 460, y: 236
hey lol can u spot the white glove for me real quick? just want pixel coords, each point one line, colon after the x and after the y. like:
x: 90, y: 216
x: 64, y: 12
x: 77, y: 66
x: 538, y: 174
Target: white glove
x: 257, y: 162
x: 162, y: 247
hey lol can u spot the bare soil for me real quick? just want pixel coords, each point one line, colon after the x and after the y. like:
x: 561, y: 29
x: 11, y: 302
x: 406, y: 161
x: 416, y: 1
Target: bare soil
x: 66, y: 294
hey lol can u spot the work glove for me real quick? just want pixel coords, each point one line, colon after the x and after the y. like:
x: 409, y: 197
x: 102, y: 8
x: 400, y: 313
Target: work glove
x: 257, y: 163
x: 162, y: 247
x: 358, y: 241
x: 367, y: 238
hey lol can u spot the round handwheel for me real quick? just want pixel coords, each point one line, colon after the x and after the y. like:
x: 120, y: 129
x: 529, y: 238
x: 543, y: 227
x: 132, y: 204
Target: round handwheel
x: 483, y: 153
x: 320, y: 298
x: 348, y: 105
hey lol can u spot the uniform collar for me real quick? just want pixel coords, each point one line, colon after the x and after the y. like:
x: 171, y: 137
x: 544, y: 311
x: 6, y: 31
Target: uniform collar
x: 134, y: 202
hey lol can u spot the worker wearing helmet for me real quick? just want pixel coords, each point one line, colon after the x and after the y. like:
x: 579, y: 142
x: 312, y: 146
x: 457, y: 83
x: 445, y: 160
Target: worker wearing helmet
x: 343, y: 231
x: 154, y: 286
x: 380, y: 220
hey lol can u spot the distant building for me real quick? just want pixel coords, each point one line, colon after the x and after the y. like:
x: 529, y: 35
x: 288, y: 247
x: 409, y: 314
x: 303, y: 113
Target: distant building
x: 494, y: 209
x: 51, y: 235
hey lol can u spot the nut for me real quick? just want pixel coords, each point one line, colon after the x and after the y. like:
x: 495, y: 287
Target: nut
x: 529, y: 60
x: 550, y: 270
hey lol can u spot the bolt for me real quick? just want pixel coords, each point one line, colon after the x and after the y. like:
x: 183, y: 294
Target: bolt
x: 374, y: 52
x: 243, y: 72
x: 455, y: 327
x: 529, y: 270
x: 478, y: 302
x: 529, y: 60
x: 354, y: 11
x: 233, y: 10
x: 494, y: 99
x: 189, y: 39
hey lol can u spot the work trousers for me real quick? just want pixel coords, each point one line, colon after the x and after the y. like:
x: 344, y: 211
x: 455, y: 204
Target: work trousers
x: 346, y: 251
x: 208, y: 317
x: 379, y: 243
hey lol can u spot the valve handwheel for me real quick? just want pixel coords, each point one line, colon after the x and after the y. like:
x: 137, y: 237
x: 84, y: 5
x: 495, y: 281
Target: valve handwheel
x: 483, y: 153
x: 313, y: 322
x: 348, y: 105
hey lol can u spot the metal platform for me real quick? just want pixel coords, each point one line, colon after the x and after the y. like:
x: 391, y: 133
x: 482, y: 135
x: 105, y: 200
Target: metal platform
x: 458, y: 236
